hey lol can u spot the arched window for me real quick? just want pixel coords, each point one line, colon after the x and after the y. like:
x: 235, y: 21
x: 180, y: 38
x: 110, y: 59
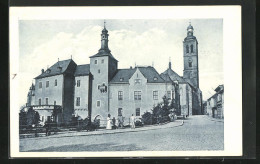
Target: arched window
x: 191, y: 48
x: 187, y: 49
x: 190, y: 64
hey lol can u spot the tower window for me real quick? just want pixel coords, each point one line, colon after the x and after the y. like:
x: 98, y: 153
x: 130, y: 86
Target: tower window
x: 55, y: 84
x: 98, y: 103
x: 187, y: 49
x: 191, y: 48
x: 99, y: 71
x: 190, y: 64
x: 95, y: 61
x: 40, y: 101
x: 54, y: 103
x: 78, y: 83
x: 46, y: 101
x: 78, y: 101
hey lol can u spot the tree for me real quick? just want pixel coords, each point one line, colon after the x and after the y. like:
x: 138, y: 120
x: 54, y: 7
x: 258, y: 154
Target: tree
x: 30, y: 116
x: 22, y: 118
x: 36, y: 119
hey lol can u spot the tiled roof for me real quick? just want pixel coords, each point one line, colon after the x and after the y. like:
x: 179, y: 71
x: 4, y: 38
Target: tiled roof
x: 173, y: 75
x: 82, y: 70
x: 151, y: 74
x: 123, y: 75
x: 61, y: 67
x: 103, y: 53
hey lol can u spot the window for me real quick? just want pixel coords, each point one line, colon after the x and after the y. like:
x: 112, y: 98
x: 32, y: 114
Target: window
x: 54, y: 103
x: 120, y: 95
x: 173, y: 94
x: 119, y: 111
x: 187, y: 49
x: 190, y: 64
x: 155, y: 95
x: 137, y: 81
x: 78, y: 101
x: 46, y: 101
x: 99, y: 71
x: 78, y: 83
x: 40, y: 101
x: 137, y: 111
x: 102, y: 61
x: 47, y: 84
x: 191, y: 48
x: 95, y: 61
x: 98, y: 103
x: 42, y: 118
x: 137, y: 95
x: 40, y: 84
x: 55, y: 83
x: 169, y: 94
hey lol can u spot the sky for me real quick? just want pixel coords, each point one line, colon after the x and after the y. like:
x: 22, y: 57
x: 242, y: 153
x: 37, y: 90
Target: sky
x: 140, y: 42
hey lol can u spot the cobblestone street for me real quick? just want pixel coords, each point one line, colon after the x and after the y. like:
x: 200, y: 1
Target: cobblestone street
x: 197, y: 133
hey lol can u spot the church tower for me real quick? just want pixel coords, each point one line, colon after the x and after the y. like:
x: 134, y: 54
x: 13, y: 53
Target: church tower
x: 103, y: 67
x: 190, y: 58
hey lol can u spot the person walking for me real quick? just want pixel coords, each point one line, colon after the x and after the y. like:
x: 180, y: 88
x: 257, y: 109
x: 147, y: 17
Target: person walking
x: 109, y: 122
x: 132, y: 121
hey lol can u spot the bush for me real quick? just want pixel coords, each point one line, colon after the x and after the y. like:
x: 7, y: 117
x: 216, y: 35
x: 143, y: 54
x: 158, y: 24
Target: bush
x: 147, y: 118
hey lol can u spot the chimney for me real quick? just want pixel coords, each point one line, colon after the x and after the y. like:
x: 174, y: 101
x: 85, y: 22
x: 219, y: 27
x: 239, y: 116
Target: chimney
x: 131, y: 67
x: 170, y: 65
x: 42, y: 70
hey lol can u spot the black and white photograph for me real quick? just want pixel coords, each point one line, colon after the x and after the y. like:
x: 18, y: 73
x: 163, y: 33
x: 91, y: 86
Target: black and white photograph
x: 124, y: 85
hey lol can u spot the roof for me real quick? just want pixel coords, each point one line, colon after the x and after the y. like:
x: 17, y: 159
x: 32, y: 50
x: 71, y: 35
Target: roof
x: 123, y: 75
x: 103, y: 53
x: 61, y: 67
x: 219, y: 88
x: 150, y: 74
x: 173, y: 75
x: 82, y: 70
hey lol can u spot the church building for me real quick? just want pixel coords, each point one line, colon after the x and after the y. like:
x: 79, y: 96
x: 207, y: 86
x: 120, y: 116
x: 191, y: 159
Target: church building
x: 101, y: 88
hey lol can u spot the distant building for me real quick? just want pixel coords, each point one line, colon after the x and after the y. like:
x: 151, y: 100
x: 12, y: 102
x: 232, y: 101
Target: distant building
x: 215, y: 104
x: 100, y: 88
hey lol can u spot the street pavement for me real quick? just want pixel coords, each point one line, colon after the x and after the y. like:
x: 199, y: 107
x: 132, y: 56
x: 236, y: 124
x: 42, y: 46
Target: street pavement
x: 197, y: 133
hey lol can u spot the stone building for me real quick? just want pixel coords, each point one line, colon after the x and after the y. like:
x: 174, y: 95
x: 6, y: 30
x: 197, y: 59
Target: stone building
x: 215, y: 104
x: 100, y: 88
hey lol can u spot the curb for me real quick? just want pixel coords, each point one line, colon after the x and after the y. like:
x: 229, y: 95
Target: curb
x: 112, y: 132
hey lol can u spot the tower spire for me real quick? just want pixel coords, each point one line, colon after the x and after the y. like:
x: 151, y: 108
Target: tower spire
x: 104, y: 23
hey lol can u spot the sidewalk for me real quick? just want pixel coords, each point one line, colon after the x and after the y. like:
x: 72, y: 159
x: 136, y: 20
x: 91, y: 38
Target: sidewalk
x: 214, y: 119
x: 105, y: 131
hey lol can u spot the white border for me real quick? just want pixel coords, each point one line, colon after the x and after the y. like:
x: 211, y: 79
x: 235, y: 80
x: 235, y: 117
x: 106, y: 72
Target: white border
x: 231, y: 16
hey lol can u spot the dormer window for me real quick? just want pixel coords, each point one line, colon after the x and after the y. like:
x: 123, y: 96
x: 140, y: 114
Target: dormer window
x: 48, y: 70
x: 155, y: 78
x: 121, y: 79
x: 59, y: 68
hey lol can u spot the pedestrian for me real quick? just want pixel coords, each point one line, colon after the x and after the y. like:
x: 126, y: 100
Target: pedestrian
x: 114, y: 123
x: 109, y: 122
x: 120, y: 121
x: 132, y: 121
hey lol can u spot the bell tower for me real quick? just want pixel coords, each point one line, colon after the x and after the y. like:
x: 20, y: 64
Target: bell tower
x: 190, y: 58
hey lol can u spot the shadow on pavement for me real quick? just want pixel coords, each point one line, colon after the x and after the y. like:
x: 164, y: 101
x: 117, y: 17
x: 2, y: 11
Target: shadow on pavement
x: 93, y: 147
